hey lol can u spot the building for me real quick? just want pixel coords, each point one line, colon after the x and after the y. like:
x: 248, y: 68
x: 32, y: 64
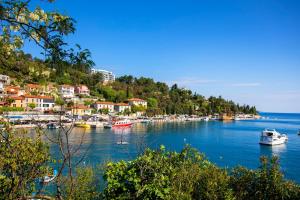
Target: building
x: 12, y: 90
x: 107, y: 75
x: 81, y: 110
x: 42, y: 103
x: 1, y: 89
x: 18, y: 102
x: 82, y: 90
x: 104, y: 105
x: 121, y: 107
x: 137, y: 102
x: 66, y: 91
x: 4, y: 79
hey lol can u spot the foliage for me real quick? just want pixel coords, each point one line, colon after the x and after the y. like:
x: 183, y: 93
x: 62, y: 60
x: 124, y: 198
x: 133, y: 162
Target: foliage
x: 31, y: 106
x: 11, y: 109
x: 23, y: 161
x: 159, y: 174
x: 85, y: 185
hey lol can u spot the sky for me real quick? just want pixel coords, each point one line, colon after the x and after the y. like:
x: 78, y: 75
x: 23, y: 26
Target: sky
x: 244, y: 50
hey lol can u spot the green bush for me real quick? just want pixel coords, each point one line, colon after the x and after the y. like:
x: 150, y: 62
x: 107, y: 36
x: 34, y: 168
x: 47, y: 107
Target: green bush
x: 159, y: 174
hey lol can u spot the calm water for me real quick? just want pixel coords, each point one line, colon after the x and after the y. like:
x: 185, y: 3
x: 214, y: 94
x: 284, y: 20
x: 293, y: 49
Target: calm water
x: 224, y: 143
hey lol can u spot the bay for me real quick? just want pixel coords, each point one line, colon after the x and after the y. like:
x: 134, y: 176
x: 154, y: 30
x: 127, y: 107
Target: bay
x: 227, y: 144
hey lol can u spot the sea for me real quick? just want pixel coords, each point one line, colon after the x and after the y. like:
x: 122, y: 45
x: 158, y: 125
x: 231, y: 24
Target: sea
x: 225, y: 143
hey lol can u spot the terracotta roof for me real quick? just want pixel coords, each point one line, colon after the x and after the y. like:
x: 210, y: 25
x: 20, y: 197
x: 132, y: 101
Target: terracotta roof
x: 37, y: 96
x: 122, y: 104
x: 136, y: 99
x: 80, y: 107
x: 104, y: 102
x: 67, y: 86
x: 32, y: 85
x: 18, y: 98
x: 12, y: 88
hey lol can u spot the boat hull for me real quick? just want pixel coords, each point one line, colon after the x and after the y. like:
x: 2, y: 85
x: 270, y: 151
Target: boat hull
x: 276, y: 142
x: 121, y: 125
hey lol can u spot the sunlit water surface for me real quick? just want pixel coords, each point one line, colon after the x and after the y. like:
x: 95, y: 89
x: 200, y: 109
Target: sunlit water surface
x: 225, y: 143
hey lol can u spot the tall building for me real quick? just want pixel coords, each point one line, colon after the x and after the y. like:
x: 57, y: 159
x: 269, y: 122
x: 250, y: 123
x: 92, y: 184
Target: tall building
x: 107, y: 75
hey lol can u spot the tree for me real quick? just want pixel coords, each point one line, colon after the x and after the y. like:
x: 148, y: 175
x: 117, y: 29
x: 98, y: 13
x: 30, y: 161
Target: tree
x: 32, y: 106
x: 23, y: 161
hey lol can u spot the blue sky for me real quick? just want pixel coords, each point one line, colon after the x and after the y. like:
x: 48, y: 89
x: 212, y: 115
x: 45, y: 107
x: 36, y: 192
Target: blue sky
x: 244, y: 50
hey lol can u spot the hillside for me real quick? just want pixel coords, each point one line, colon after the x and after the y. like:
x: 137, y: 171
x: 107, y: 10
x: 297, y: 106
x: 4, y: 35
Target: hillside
x: 161, y: 98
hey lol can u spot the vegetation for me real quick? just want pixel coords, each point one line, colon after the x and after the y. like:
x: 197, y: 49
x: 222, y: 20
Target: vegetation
x: 10, y: 109
x: 159, y: 174
x: 155, y: 174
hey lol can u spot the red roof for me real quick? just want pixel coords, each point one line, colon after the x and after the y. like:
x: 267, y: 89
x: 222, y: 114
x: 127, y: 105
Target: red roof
x: 105, y: 102
x: 67, y: 86
x: 122, y: 104
x: 18, y: 98
x: 80, y: 107
x: 32, y: 85
x: 136, y: 99
x: 37, y: 97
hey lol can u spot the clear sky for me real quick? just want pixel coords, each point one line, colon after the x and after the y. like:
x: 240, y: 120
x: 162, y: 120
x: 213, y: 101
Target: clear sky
x: 244, y: 50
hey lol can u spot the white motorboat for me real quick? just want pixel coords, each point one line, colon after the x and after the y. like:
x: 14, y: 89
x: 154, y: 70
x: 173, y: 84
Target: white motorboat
x: 49, y: 178
x: 272, y: 137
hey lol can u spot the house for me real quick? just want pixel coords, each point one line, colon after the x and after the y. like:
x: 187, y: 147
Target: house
x: 66, y: 91
x: 46, y: 103
x: 12, y: 90
x: 104, y: 105
x: 18, y: 102
x: 4, y: 79
x: 137, y: 102
x: 29, y: 88
x: 81, y: 110
x: 42, y: 103
x: 121, y: 107
x: 82, y: 90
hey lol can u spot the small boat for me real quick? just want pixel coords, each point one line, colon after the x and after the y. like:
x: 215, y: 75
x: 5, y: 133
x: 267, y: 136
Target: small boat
x: 122, y: 123
x: 82, y: 125
x: 272, y: 137
x: 206, y: 119
x: 49, y: 178
x: 299, y: 132
x: 52, y: 126
x: 107, y: 125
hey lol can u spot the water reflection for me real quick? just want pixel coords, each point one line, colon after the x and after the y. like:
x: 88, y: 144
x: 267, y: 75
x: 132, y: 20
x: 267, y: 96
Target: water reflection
x: 275, y: 150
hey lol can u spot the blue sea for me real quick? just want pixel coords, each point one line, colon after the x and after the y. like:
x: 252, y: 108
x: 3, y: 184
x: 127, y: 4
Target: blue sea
x: 227, y: 144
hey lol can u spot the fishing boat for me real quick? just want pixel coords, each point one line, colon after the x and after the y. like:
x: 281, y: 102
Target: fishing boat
x: 272, y: 137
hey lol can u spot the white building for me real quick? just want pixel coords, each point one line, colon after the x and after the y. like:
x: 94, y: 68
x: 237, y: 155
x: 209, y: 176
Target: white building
x: 104, y: 105
x: 1, y: 89
x: 121, y: 107
x: 137, y: 102
x: 66, y: 91
x: 107, y: 75
x: 4, y: 79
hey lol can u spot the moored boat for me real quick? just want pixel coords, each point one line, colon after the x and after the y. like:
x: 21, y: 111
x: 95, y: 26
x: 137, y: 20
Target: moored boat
x: 121, y: 123
x: 49, y: 178
x: 52, y: 126
x: 272, y: 137
x: 82, y: 125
